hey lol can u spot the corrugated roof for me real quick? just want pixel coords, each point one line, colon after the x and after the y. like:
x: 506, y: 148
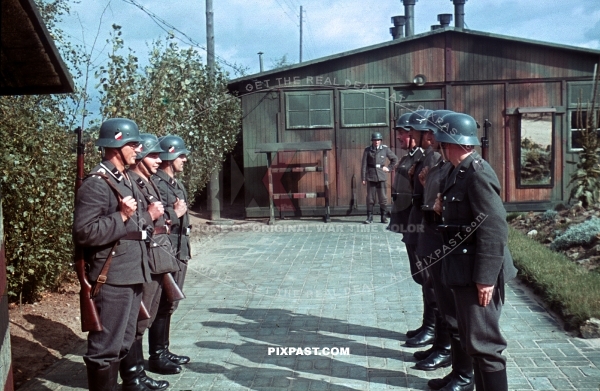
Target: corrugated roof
x: 29, y: 60
x: 413, y: 38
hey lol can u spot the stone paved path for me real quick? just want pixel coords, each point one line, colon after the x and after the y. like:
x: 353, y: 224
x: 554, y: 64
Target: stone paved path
x: 342, y: 285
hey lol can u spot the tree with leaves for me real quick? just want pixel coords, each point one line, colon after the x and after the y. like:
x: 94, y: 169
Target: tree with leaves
x: 173, y: 95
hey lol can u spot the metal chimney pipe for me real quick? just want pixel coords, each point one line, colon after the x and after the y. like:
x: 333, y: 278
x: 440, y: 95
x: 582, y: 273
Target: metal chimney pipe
x: 459, y: 13
x: 260, y: 60
x: 398, y: 30
x: 409, y: 13
x: 444, y: 19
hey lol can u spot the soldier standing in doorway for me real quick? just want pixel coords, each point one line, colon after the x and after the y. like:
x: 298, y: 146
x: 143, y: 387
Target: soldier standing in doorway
x: 374, y: 174
x: 108, y: 226
x: 175, y: 199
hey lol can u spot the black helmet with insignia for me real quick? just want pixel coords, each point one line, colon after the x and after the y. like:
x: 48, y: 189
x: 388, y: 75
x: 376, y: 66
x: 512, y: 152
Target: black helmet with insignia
x: 150, y: 144
x: 376, y: 136
x: 458, y: 128
x: 402, y: 121
x: 418, y: 120
x: 173, y: 147
x: 116, y: 132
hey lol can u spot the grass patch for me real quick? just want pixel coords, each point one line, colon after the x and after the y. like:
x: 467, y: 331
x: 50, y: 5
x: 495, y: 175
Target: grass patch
x: 567, y: 287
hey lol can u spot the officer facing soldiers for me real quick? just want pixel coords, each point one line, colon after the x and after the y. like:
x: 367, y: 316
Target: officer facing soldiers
x: 174, y: 198
x: 108, y: 226
x: 479, y: 263
x: 161, y: 261
x: 374, y: 174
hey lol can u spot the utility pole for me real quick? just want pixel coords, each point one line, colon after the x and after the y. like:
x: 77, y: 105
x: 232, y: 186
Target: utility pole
x: 214, y: 196
x: 301, y: 17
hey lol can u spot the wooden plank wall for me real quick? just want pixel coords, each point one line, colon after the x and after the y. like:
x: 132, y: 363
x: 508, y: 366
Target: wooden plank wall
x: 484, y: 101
x: 260, y: 126
x: 482, y: 58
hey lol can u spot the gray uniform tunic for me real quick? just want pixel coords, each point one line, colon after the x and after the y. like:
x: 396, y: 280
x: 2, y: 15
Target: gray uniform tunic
x: 402, y: 191
x: 476, y: 234
x: 97, y: 226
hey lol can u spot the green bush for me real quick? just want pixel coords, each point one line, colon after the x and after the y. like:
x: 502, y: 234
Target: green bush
x: 566, y: 286
x: 549, y: 215
x: 578, y: 234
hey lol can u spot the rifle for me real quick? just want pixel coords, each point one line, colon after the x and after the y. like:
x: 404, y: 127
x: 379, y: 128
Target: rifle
x: 172, y: 290
x: 485, y: 141
x: 90, y: 321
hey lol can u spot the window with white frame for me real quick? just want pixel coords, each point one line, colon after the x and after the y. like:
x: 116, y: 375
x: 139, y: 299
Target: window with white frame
x: 363, y: 108
x: 309, y: 109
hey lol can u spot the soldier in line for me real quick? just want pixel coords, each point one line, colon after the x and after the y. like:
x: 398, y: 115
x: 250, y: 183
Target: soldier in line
x: 474, y: 226
x: 374, y: 174
x: 401, y: 188
x: 108, y: 226
x: 161, y: 261
x: 174, y: 198
x: 433, y: 180
x: 439, y: 355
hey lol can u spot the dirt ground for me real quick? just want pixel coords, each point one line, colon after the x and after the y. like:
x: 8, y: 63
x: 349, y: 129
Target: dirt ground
x: 43, y: 332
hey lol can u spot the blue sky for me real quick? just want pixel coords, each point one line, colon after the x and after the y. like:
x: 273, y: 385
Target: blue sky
x: 245, y: 27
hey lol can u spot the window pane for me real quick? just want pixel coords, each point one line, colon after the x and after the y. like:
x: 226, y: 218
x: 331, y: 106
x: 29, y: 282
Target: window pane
x: 320, y: 118
x: 375, y: 99
x: 375, y: 116
x: 298, y: 102
x: 320, y: 101
x: 353, y: 101
x: 575, y: 139
x: 354, y: 117
x: 578, y: 121
x: 298, y: 119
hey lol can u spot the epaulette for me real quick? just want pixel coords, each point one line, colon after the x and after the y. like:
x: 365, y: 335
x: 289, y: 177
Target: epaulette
x: 384, y: 146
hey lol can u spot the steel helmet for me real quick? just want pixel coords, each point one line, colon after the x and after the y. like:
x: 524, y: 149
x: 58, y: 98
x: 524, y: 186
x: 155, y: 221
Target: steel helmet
x: 173, y: 147
x: 402, y: 121
x: 116, y: 132
x: 458, y: 128
x: 436, y: 119
x: 418, y: 120
x: 150, y: 144
x: 376, y: 136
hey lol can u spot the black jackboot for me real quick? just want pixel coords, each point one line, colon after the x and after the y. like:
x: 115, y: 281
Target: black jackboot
x: 427, y: 334
x: 494, y: 381
x: 383, y: 218
x: 440, y: 355
x: 428, y: 319
x: 103, y: 379
x: 179, y: 360
x: 150, y: 383
x: 158, y: 343
x: 369, y: 219
x: 461, y: 377
x: 129, y: 372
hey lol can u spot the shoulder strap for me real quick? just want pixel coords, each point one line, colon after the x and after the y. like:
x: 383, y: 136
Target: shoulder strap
x: 108, y: 182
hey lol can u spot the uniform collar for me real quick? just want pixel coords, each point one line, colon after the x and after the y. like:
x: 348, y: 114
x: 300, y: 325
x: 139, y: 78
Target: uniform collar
x: 108, y: 167
x: 165, y: 177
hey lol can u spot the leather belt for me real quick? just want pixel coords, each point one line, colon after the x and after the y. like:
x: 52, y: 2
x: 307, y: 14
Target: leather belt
x: 137, y: 235
x: 161, y: 229
x: 186, y: 231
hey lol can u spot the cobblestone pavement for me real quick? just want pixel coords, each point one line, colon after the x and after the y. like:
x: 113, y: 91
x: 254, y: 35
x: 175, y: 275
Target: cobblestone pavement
x: 344, y: 286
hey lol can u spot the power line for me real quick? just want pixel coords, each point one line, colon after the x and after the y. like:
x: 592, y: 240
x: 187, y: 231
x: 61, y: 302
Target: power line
x: 190, y: 41
x: 285, y: 12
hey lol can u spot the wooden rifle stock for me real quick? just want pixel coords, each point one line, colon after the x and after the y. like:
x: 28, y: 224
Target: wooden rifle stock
x: 172, y: 291
x: 90, y: 321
